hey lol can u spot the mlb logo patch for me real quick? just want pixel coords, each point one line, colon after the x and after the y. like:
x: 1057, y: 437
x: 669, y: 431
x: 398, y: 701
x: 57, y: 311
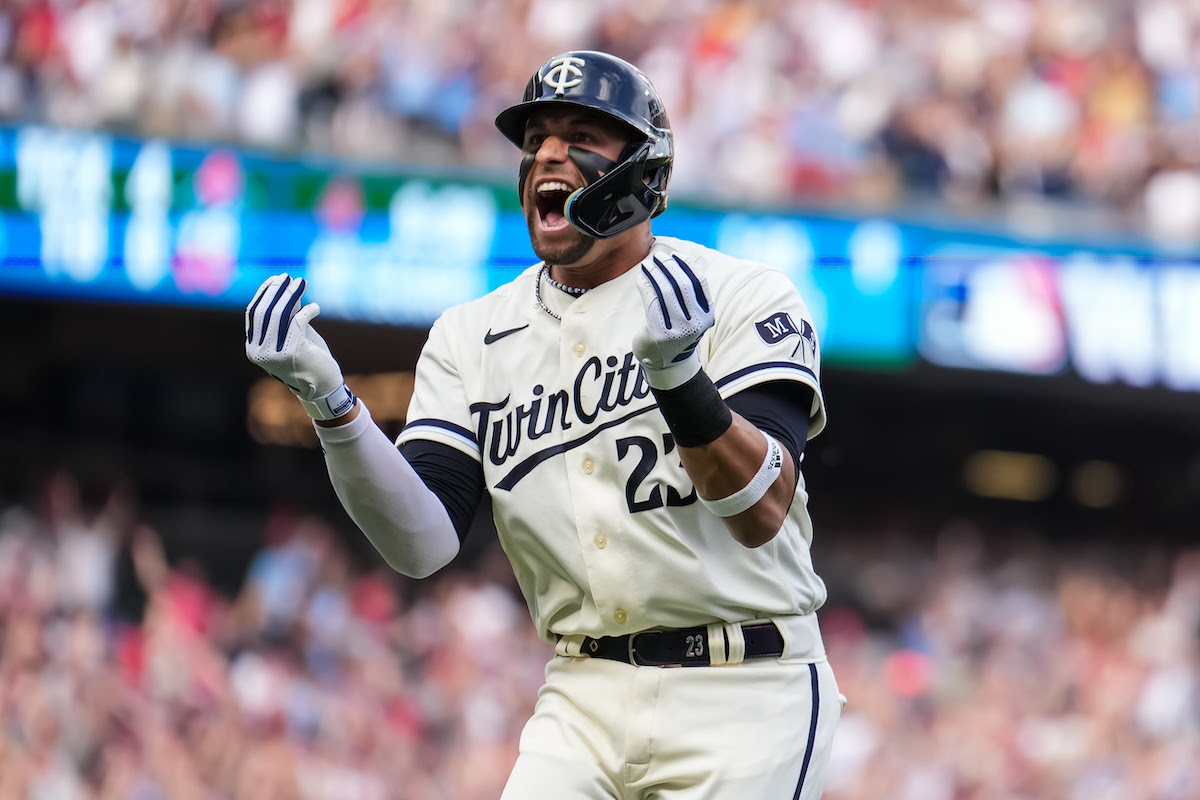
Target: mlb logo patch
x: 779, y: 326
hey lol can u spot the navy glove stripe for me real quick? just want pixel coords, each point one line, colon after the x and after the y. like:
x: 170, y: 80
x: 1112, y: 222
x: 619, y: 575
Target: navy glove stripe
x: 662, y: 305
x: 700, y: 298
x: 675, y: 287
x: 250, y: 314
x: 686, y: 354
x: 283, y: 288
x: 285, y: 319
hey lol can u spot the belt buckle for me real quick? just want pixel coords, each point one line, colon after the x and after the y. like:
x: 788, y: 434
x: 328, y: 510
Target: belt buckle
x: 633, y: 654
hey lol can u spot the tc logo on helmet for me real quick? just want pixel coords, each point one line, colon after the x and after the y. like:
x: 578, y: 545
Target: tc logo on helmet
x: 563, y: 73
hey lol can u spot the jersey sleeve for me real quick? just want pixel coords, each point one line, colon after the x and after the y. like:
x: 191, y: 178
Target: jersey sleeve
x: 764, y: 332
x: 439, y: 411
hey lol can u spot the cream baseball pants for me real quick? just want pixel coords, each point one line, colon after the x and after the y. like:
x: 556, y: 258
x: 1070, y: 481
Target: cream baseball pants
x: 604, y: 730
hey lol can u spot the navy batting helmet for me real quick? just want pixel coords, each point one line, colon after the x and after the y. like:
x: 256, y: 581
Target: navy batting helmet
x: 633, y: 189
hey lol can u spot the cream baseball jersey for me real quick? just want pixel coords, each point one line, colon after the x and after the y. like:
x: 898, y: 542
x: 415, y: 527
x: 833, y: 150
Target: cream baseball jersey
x: 591, y: 503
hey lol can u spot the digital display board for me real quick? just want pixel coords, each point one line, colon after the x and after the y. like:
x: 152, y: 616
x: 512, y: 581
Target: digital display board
x: 84, y: 214
x: 1106, y: 317
x: 87, y: 215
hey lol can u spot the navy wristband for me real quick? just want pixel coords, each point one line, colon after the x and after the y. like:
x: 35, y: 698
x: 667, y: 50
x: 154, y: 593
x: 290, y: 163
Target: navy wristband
x: 695, y: 411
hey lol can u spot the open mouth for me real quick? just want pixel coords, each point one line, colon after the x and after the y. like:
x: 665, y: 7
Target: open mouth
x: 550, y: 197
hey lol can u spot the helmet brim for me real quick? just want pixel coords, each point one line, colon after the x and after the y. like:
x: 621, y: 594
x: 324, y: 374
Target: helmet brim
x: 512, y: 121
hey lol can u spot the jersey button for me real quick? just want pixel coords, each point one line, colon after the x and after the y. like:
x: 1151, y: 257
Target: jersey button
x: 589, y: 466
x: 620, y: 616
x: 601, y: 541
x: 580, y: 350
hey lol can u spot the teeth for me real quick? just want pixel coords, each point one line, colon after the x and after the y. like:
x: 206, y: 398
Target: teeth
x: 553, y: 186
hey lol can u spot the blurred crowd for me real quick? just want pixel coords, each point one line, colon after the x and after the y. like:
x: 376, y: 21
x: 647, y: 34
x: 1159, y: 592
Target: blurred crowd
x: 992, y: 666
x: 125, y: 673
x: 1085, y: 104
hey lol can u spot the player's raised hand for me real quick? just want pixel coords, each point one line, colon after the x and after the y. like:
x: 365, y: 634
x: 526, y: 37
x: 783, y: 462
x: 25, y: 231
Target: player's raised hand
x: 678, y: 313
x: 280, y: 339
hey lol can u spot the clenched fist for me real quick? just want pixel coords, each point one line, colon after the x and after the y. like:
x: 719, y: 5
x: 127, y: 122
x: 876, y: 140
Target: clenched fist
x: 677, y: 315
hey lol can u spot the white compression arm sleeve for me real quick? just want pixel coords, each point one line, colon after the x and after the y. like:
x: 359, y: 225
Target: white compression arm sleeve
x: 401, y: 517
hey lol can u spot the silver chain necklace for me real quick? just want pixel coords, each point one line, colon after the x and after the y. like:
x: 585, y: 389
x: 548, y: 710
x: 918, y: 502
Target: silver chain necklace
x: 537, y: 290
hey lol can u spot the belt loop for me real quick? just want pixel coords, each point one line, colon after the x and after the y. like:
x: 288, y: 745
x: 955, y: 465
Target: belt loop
x: 737, y: 643
x: 716, y: 645
x: 570, y: 645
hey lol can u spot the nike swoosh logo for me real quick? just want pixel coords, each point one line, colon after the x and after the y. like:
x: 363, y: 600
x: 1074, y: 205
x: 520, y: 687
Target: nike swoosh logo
x: 490, y: 337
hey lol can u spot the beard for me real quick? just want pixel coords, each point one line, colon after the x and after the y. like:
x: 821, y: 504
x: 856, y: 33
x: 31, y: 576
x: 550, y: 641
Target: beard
x: 570, y: 250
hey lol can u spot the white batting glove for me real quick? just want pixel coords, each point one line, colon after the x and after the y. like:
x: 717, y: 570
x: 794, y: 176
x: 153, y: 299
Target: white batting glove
x: 677, y: 315
x: 280, y: 339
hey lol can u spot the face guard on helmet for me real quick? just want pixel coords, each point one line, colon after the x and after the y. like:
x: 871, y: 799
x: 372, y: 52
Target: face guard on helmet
x: 621, y: 195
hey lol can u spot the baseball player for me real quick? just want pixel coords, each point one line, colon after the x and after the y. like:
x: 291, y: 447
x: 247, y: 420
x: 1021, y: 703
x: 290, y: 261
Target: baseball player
x: 637, y: 409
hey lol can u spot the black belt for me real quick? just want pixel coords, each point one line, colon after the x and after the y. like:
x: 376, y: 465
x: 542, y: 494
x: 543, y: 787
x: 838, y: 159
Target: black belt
x: 684, y: 647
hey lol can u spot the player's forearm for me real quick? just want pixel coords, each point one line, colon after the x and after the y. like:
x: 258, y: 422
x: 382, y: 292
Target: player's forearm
x: 727, y: 464
x: 400, y: 516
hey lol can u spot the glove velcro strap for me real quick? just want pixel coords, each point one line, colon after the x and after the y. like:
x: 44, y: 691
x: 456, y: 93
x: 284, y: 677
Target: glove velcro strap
x: 332, y: 405
x: 695, y: 411
x: 752, y: 492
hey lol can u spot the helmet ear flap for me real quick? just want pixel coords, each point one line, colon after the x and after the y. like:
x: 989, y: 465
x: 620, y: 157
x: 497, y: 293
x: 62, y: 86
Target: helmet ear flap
x: 657, y: 178
x: 620, y: 200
